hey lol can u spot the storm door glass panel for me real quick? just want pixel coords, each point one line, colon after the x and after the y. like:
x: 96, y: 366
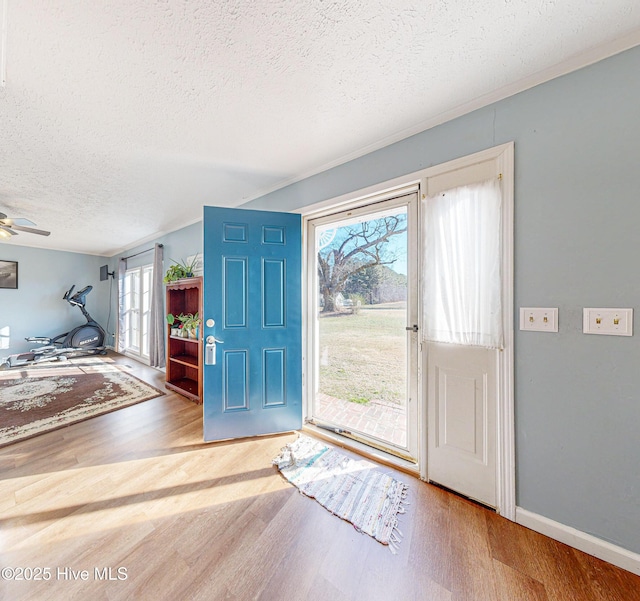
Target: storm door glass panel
x: 362, y: 370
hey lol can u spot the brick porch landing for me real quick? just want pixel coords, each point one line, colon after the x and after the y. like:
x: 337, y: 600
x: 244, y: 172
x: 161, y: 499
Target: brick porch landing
x: 378, y: 418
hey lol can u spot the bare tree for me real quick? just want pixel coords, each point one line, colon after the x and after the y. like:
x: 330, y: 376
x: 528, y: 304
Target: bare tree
x: 356, y: 248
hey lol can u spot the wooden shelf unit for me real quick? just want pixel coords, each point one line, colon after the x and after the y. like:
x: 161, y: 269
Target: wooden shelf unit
x: 184, y: 355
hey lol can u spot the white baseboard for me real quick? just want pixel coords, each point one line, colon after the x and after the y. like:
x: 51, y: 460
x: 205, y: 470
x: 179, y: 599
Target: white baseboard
x: 618, y: 556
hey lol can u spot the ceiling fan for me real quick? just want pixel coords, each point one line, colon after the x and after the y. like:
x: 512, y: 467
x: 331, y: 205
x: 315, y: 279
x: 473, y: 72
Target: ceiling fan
x: 9, y: 226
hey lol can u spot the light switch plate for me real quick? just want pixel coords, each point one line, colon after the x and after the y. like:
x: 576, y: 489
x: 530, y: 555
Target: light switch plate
x: 536, y: 319
x: 608, y: 322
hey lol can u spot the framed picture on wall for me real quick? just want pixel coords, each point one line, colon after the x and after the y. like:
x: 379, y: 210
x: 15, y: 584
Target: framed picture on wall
x: 8, y: 274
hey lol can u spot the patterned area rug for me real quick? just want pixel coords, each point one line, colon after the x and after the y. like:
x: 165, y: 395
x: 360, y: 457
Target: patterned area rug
x: 47, y: 397
x: 354, y: 490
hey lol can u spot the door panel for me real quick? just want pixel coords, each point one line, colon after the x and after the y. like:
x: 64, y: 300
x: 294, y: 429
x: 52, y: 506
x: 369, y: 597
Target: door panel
x: 234, y: 284
x: 252, y: 290
x: 234, y: 376
x: 462, y: 419
x: 461, y: 409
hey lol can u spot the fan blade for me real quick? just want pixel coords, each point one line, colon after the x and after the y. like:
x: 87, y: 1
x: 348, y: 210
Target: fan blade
x: 31, y: 230
x: 18, y: 221
x: 8, y: 230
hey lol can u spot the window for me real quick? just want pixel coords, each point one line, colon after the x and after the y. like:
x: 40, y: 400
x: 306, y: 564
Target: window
x: 136, y: 311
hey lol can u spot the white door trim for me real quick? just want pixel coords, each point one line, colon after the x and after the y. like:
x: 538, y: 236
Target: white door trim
x: 506, y: 449
x: 505, y: 424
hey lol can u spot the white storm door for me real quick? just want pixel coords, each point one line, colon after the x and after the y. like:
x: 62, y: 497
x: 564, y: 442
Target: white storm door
x: 364, y: 357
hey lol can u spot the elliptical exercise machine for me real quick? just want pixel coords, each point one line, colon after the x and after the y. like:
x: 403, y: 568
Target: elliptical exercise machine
x: 87, y: 339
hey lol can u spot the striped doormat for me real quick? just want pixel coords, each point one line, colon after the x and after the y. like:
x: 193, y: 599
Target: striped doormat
x: 354, y: 490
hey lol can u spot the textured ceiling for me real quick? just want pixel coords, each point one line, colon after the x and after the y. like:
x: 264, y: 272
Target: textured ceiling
x: 120, y: 119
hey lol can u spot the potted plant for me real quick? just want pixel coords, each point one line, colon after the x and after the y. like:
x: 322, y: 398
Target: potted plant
x: 190, y: 325
x: 194, y: 326
x: 180, y: 270
x: 182, y: 318
x: 171, y: 321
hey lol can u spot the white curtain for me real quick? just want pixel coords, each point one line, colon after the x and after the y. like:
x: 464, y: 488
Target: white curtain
x: 156, y: 317
x: 462, y: 279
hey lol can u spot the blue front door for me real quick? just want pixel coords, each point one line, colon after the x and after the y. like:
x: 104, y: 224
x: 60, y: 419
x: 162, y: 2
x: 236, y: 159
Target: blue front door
x: 252, y: 291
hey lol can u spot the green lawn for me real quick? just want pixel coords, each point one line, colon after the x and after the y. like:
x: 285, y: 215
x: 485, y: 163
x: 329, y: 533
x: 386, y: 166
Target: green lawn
x: 363, y: 356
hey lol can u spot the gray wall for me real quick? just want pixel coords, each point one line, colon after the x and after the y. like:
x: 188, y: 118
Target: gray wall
x: 577, y: 237
x: 36, y: 308
x: 178, y: 246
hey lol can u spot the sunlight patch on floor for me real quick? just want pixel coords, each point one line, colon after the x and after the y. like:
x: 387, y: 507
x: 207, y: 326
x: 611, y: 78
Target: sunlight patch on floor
x: 131, y: 493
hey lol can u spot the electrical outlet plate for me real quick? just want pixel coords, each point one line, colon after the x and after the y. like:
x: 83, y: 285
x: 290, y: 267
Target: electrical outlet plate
x: 608, y: 322
x: 535, y: 319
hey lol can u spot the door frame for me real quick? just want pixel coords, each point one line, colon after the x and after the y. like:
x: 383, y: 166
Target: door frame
x: 503, y: 155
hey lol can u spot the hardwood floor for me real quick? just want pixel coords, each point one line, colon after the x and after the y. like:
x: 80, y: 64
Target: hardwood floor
x: 138, y: 489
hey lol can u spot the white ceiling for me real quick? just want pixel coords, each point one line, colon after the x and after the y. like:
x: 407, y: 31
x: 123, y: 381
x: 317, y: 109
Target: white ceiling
x: 120, y: 119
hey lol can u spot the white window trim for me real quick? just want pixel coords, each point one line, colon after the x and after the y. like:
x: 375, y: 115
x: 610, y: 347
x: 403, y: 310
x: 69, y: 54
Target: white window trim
x: 141, y: 357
